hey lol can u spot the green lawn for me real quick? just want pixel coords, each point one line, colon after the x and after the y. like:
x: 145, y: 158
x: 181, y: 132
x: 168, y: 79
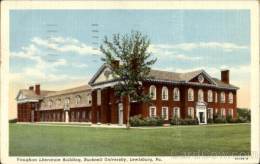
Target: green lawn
x: 30, y: 140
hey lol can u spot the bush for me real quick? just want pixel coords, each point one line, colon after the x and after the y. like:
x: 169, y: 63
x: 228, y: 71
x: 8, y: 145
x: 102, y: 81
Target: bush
x: 13, y: 120
x: 229, y: 119
x: 220, y: 120
x: 187, y: 121
x: 210, y: 121
x: 148, y: 121
x: 241, y: 120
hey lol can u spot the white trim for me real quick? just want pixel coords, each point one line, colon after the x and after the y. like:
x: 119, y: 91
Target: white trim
x: 178, y: 96
x: 191, y: 112
x: 154, y: 97
x: 164, y: 88
x: 178, y: 111
x: 166, y: 112
x: 150, y: 113
x: 27, y: 100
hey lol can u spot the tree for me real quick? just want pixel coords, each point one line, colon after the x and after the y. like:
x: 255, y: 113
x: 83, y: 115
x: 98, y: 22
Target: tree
x: 131, y: 51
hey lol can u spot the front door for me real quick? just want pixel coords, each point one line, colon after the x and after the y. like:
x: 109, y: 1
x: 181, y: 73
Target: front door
x: 120, y: 114
x: 201, y: 117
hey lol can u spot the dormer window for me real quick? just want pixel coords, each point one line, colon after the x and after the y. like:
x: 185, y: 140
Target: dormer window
x: 67, y: 101
x: 176, y: 94
x: 77, y: 100
x: 89, y: 98
x: 164, y: 93
x: 152, y: 92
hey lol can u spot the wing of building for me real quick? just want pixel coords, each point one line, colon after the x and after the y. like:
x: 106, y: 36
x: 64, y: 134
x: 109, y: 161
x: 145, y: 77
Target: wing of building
x: 190, y: 94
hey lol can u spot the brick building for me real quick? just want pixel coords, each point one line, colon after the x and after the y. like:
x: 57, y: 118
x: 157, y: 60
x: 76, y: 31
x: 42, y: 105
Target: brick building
x: 191, y: 94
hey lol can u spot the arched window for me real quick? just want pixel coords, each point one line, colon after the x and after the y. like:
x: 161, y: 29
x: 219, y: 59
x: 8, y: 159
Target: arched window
x: 164, y: 93
x: 50, y: 102
x: 200, y: 95
x: 230, y: 98
x: 67, y: 101
x: 190, y: 94
x: 77, y: 99
x: 152, y: 92
x: 176, y: 94
x: 222, y: 97
x: 210, y: 96
x: 58, y: 102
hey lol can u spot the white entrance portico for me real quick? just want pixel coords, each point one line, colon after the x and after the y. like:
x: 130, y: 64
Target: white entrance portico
x: 201, y: 112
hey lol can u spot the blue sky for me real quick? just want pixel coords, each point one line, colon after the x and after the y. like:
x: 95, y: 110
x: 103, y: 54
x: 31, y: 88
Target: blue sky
x: 54, y: 46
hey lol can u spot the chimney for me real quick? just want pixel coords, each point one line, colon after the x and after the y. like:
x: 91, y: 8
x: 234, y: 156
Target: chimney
x: 225, y: 76
x: 37, y: 89
x: 115, y: 63
x: 31, y: 88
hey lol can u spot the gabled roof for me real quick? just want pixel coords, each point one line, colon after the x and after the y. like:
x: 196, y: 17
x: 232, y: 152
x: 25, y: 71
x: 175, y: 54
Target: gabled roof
x: 69, y: 91
x: 172, y: 77
x: 30, y: 94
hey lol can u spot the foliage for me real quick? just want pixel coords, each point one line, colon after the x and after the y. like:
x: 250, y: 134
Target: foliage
x: 229, y: 119
x: 244, y: 114
x: 148, y: 121
x: 210, y: 121
x: 13, y: 120
x: 220, y: 120
x: 186, y: 121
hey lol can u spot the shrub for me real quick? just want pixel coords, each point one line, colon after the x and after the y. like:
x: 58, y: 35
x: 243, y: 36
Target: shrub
x: 220, y: 120
x: 210, y: 121
x: 241, y: 120
x: 13, y: 120
x: 148, y: 121
x: 229, y: 119
x: 186, y: 121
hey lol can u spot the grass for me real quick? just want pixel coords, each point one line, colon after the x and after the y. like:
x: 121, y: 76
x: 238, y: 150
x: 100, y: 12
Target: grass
x: 30, y: 140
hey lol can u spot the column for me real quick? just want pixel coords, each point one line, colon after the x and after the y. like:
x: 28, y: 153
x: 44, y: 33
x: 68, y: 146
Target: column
x: 67, y: 116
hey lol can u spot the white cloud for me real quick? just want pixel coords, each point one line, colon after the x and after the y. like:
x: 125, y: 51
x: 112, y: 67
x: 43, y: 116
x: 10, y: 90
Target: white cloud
x: 225, y: 46
x: 65, y: 45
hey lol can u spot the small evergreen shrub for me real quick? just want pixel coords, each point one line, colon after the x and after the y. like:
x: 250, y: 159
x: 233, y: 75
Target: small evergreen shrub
x: 148, y: 121
x: 186, y: 121
x: 229, y: 119
x: 210, y: 121
x: 219, y: 120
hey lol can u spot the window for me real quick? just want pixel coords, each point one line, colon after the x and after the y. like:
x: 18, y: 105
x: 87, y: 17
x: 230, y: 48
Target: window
x: 176, y: 112
x: 210, y: 96
x: 230, y: 98
x: 200, y: 95
x: 152, y: 111
x: 58, y: 102
x: 176, y: 94
x: 216, y: 97
x: 83, y: 115
x: 50, y: 103
x: 222, y: 97
x: 67, y: 101
x: 191, y: 112
x: 152, y: 92
x: 99, y: 97
x: 77, y: 99
x: 210, y: 113
x: 89, y: 98
x: 230, y: 112
x: 216, y: 110
x: 223, y: 112
x: 164, y: 93
x: 165, y: 113
x: 190, y: 94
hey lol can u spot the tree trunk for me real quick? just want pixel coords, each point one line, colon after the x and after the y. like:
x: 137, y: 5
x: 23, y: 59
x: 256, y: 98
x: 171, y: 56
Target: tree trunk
x: 128, y: 112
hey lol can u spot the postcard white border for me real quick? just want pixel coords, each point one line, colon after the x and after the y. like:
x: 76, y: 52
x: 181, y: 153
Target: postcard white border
x: 232, y: 4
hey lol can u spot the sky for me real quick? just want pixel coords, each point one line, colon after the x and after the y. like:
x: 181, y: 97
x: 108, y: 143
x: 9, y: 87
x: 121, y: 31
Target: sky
x: 60, y: 48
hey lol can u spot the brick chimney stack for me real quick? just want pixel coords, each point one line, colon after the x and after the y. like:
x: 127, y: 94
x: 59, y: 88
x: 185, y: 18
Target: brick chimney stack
x: 225, y: 76
x: 115, y: 64
x: 31, y: 88
x: 37, y: 89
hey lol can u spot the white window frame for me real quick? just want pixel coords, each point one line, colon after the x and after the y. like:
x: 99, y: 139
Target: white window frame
x: 190, y: 94
x: 200, y: 95
x: 231, y: 112
x: 178, y: 113
x: 165, y: 90
x: 176, y: 94
x: 152, y: 114
x: 216, y: 97
x: 222, y: 97
x: 166, y: 111
x: 152, y: 88
x: 77, y: 99
x: 210, y: 113
x: 230, y: 98
x: 210, y: 96
x: 191, y: 112
x: 99, y: 97
x: 89, y: 99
